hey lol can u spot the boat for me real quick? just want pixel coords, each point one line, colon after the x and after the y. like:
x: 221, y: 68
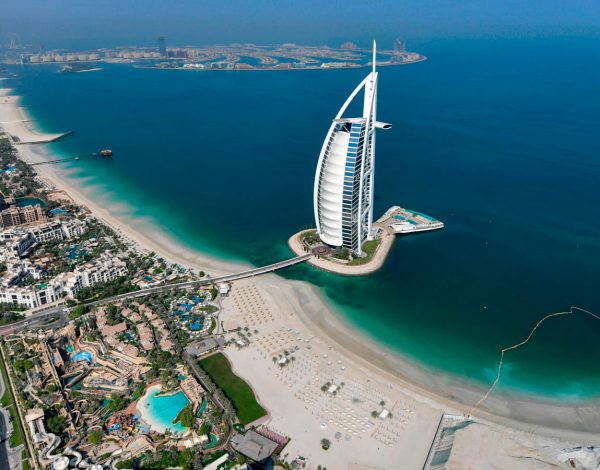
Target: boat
x: 106, y: 153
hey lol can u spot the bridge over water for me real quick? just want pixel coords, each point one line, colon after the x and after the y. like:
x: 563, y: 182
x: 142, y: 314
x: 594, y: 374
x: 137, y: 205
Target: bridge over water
x: 202, y: 282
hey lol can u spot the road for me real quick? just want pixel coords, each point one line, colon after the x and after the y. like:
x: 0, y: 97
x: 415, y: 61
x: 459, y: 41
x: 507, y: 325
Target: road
x: 39, y: 319
x: 56, y: 317
x: 36, y: 320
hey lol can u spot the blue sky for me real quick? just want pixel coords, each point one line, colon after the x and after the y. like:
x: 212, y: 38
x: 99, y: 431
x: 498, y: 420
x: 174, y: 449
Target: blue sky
x: 63, y: 23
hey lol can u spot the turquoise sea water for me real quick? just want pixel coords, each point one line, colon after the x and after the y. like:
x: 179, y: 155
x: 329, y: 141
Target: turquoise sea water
x: 498, y: 139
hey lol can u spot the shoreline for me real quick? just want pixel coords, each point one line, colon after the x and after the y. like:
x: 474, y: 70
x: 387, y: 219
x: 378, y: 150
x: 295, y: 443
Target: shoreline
x: 271, y: 69
x: 322, y: 319
x: 530, y: 413
x: 379, y: 258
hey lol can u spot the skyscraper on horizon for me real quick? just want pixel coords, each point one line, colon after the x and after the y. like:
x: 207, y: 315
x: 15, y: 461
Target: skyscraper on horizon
x: 162, y: 46
x: 344, y: 180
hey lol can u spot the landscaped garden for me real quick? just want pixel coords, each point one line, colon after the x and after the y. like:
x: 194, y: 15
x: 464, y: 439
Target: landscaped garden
x: 237, y: 391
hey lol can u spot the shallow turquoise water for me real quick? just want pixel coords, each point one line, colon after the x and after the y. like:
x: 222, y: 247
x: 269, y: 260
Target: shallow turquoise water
x: 162, y: 410
x: 497, y: 139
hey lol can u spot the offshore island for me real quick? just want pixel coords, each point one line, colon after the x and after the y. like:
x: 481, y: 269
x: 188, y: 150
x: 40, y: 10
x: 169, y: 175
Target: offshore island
x: 211, y: 58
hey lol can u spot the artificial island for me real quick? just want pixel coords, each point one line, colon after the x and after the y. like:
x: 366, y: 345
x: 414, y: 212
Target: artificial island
x: 346, y: 240
x: 239, y: 57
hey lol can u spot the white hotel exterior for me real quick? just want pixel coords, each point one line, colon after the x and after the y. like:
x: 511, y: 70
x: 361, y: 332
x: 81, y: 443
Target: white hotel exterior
x: 343, y: 192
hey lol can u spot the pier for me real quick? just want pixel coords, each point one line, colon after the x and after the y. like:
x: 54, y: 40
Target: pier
x: 58, y: 160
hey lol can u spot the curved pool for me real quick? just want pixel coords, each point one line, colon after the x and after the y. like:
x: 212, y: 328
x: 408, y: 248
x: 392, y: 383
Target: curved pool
x: 159, y: 411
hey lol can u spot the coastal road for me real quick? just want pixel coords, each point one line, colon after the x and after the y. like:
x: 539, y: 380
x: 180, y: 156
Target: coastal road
x: 43, y: 318
x: 36, y: 320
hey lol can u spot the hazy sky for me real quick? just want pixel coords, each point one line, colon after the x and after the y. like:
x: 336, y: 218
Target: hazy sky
x: 86, y: 23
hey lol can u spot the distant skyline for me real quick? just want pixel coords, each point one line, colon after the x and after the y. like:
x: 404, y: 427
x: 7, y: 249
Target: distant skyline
x: 108, y: 23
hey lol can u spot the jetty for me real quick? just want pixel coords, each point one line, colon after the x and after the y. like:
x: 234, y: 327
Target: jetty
x: 51, y: 162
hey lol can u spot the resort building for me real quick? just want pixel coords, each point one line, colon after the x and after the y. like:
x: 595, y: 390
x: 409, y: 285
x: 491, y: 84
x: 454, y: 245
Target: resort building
x: 18, y: 241
x: 31, y: 296
x: 343, y: 190
x: 254, y: 445
x: 106, y: 268
x: 15, y: 216
x: 74, y: 228
x: 47, y: 232
x: 58, y: 231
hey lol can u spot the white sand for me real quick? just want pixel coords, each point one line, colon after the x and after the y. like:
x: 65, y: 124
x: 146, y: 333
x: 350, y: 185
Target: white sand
x: 287, y: 314
x: 16, y: 123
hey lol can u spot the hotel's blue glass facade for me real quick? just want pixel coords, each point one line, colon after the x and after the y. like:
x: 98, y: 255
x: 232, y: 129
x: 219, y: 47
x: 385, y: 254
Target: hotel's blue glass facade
x: 352, y: 177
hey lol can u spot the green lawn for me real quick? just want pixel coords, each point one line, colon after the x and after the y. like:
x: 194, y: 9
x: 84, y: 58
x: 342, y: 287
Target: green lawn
x: 239, y: 393
x: 369, y: 247
x: 17, y: 437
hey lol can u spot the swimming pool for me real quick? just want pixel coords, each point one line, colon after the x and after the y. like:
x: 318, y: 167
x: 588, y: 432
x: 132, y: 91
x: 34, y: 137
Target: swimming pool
x: 431, y: 219
x: 83, y: 356
x: 203, y: 406
x: 159, y: 411
x: 212, y: 442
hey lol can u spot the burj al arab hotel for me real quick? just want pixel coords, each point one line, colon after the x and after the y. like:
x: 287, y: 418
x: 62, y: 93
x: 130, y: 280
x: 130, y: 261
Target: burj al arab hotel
x: 343, y: 192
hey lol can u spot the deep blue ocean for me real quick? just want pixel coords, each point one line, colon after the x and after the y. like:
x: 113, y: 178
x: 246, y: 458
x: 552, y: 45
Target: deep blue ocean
x: 497, y: 138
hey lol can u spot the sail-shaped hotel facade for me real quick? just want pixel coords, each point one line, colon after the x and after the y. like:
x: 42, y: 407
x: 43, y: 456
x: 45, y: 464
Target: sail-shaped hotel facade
x: 344, y: 180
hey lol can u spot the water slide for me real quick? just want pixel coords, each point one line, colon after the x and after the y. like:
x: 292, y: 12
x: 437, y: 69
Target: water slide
x: 77, y: 458
x: 52, y: 441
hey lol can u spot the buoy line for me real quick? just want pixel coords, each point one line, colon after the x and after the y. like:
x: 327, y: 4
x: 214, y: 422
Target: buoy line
x: 572, y: 310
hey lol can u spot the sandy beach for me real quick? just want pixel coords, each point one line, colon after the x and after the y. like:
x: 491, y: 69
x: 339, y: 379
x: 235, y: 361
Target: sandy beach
x: 17, y: 124
x: 293, y: 315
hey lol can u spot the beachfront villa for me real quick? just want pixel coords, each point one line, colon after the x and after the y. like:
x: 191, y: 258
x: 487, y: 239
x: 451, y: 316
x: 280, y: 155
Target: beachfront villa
x: 343, y: 190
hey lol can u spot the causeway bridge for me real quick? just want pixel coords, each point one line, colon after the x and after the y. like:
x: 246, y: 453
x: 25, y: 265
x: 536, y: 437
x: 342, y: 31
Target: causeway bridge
x: 202, y: 282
